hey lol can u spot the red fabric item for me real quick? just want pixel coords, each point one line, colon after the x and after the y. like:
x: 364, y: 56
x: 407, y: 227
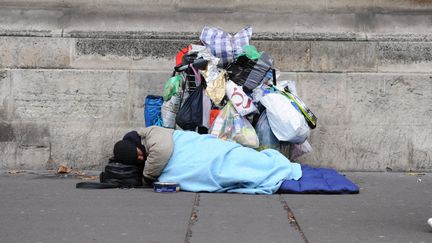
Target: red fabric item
x: 180, y: 54
x: 213, y: 115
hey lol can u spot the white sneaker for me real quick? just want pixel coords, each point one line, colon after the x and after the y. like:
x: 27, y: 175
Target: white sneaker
x: 430, y: 222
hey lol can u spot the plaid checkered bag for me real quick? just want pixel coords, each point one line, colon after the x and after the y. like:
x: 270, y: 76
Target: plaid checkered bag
x: 224, y: 45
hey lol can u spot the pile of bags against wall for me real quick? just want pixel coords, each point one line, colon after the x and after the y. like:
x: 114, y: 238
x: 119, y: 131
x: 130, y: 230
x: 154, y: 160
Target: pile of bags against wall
x: 226, y: 88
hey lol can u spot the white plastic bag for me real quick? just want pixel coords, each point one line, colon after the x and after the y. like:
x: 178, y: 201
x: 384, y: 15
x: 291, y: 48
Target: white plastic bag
x: 285, y: 121
x: 295, y: 150
x: 206, y: 110
x: 289, y: 84
x: 241, y: 102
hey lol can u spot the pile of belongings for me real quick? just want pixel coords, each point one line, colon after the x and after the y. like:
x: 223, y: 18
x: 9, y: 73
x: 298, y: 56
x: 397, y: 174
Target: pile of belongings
x: 227, y: 88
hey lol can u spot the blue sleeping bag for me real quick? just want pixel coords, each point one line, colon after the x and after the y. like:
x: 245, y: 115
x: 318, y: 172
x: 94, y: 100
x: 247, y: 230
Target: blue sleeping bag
x: 204, y: 163
x: 319, y: 181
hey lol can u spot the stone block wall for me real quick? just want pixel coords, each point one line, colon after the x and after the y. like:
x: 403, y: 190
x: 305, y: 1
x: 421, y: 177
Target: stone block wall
x: 74, y: 74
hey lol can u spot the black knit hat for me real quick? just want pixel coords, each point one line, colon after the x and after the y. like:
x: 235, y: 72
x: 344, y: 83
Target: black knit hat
x: 134, y: 138
x: 125, y: 152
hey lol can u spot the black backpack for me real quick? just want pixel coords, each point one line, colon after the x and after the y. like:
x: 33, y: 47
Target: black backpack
x: 116, y: 175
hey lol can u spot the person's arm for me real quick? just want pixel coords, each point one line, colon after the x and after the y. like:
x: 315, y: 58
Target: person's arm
x: 159, y: 145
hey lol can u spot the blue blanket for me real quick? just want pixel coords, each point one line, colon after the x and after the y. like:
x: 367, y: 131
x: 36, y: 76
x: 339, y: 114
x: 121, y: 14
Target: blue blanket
x: 208, y: 164
x: 319, y: 181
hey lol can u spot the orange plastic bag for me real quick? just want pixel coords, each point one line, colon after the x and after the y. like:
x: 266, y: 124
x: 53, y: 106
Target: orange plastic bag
x: 213, y: 115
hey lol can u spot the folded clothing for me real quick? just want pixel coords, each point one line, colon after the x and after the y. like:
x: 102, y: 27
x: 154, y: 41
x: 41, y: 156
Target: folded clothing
x: 319, y: 181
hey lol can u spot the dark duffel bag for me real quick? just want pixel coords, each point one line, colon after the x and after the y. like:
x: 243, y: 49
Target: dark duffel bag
x: 121, y: 175
x: 116, y: 175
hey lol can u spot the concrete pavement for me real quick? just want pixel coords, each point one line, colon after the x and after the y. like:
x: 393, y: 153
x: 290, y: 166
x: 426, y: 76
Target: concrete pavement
x: 47, y: 208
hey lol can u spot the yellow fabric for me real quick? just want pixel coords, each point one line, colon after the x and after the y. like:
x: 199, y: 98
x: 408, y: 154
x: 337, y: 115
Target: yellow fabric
x: 216, y: 89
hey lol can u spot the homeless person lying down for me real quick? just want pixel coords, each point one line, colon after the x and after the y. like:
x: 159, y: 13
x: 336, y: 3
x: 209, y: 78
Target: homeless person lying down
x: 204, y: 163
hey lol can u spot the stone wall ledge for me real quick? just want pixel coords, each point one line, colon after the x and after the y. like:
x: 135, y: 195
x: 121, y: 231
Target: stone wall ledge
x: 194, y: 36
x: 317, y: 19
x: 379, y: 6
x: 148, y: 53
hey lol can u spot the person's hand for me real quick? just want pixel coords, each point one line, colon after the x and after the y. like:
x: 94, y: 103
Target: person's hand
x: 140, y: 155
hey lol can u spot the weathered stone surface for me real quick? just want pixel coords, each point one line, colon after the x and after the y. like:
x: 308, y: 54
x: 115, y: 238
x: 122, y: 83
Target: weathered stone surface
x: 420, y: 148
x: 388, y: 148
x: 391, y: 141
x: 6, y: 132
x: 121, y: 52
x: 7, y: 137
x: 380, y: 99
x: 370, y: 148
x: 54, y: 18
x: 38, y: 21
x: 127, y: 53
x: 32, y: 134
x: 293, y: 76
x: 5, y: 94
x: 85, y: 145
x: 24, y: 146
x: 281, y: 6
x: 84, y: 113
x: 61, y: 95
x: 405, y: 57
x: 369, y: 122
x: 343, y: 56
x: 407, y: 21
x: 287, y: 55
x: 158, y: 54
x: 31, y: 52
x: 8, y: 155
x: 326, y: 95
x: 331, y: 147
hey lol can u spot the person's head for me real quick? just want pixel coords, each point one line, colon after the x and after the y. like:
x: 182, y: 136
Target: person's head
x: 128, y: 153
x: 134, y: 138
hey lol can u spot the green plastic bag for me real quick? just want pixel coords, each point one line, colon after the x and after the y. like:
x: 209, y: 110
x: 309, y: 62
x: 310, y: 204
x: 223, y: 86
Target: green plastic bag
x: 251, y: 52
x: 172, y: 86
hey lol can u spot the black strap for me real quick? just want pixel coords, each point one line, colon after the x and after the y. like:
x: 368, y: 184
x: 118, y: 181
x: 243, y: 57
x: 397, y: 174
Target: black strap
x: 95, y: 185
x: 103, y: 185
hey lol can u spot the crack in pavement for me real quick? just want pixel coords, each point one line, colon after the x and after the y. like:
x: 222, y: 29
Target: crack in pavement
x: 291, y: 218
x: 193, y: 218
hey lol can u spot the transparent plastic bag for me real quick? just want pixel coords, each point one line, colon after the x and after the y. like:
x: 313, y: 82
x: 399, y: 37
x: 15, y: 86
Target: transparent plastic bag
x: 260, y: 92
x: 172, y: 87
x: 169, y: 111
x: 265, y: 135
x: 297, y: 150
x: 230, y: 125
